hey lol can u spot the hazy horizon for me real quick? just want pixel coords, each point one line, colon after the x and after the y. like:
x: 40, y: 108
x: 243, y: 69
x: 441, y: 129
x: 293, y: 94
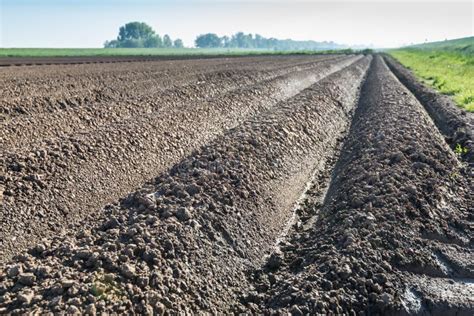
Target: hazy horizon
x: 88, y: 23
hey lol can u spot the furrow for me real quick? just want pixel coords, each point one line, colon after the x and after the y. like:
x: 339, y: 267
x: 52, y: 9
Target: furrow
x: 395, y: 183
x: 185, y: 240
x: 45, y: 92
x: 456, y: 124
x: 23, y: 132
x: 70, y: 178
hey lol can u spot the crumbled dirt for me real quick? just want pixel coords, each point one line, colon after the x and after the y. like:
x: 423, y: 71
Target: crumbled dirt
x: 399, y: 200
x: 280, y: 185
x: 35, y: 90
x: 185, y: 241
x: 456, y: 124
x: 58, y: 181
x: 56, y: 104
x: 14, y: 62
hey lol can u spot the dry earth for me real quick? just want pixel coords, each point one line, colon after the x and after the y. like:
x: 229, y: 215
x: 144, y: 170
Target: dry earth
x: 261, y: 185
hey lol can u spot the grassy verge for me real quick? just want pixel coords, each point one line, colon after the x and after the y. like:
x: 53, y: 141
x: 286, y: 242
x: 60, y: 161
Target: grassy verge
x: 86, y: 52
x: 450, y: 72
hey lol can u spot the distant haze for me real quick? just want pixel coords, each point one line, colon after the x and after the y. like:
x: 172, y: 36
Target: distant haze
x: 88, y: 23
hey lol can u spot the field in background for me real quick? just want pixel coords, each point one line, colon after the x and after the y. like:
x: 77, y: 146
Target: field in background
x: 86, y: 52
x: 447, y: 66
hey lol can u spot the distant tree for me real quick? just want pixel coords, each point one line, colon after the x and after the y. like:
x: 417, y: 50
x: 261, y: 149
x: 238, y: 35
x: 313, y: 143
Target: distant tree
x: 153, y: 42
x: 139, y: 34
x: 272, y: 43
x: 259, y: 41
x: 111, y: 44
x: 208, y: 40
x: 167, y: 41
x: 135, y: 31
x: 242, y: 40
x: 178, y: 43
x: 225, y: 41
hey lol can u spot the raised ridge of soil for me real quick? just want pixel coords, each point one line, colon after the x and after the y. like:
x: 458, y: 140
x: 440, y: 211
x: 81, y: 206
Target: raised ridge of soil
x: 185, y: 240
x: 75, y: 175
x: 456, y: 124
x: 270, y: 185
x: 49, y: 117
x: 393, y: 234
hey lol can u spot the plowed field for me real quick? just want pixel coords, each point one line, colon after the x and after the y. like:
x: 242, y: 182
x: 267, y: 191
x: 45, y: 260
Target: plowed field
x: 258, y: 185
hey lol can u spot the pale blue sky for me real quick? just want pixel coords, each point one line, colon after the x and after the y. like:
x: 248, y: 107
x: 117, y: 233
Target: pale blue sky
x: 88, y: 23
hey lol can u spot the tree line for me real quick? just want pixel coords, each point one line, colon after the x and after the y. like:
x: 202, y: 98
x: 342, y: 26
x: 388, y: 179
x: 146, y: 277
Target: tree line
x: 242, y: 40
x: 139, y: 34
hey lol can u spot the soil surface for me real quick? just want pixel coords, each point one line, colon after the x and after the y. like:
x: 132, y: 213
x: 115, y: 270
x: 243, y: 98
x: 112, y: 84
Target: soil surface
x: 456, y: 124
x: 393, y: 234
x: 46, y: 61
x: 263, y: 185
x: 34, y: 61
x: 62, y: 164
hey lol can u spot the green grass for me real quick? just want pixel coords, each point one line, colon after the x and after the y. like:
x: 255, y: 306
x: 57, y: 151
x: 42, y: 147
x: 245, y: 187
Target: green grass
x: 86, y: 52
x: 450, y: 71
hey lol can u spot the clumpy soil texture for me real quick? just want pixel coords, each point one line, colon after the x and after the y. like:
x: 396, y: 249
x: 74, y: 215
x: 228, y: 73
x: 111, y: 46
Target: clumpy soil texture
x: 264, y: 185
x: 456, y: 124
x: 29, y: 61
x: 393, y: 233
x: 64, y: 160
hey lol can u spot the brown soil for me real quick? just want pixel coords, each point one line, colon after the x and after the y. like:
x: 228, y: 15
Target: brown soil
x: 456, y: 124
x: 278, y: 187
x: 46, y: 61
x: 392, y: 234
x: 64, y: 169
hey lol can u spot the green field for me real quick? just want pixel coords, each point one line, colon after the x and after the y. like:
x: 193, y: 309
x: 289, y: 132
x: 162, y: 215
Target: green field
x: 447, y: 66
x: 86, y: 52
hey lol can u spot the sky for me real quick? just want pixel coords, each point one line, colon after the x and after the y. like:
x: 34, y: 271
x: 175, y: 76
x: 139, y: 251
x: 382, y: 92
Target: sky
x: 381, y: 24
